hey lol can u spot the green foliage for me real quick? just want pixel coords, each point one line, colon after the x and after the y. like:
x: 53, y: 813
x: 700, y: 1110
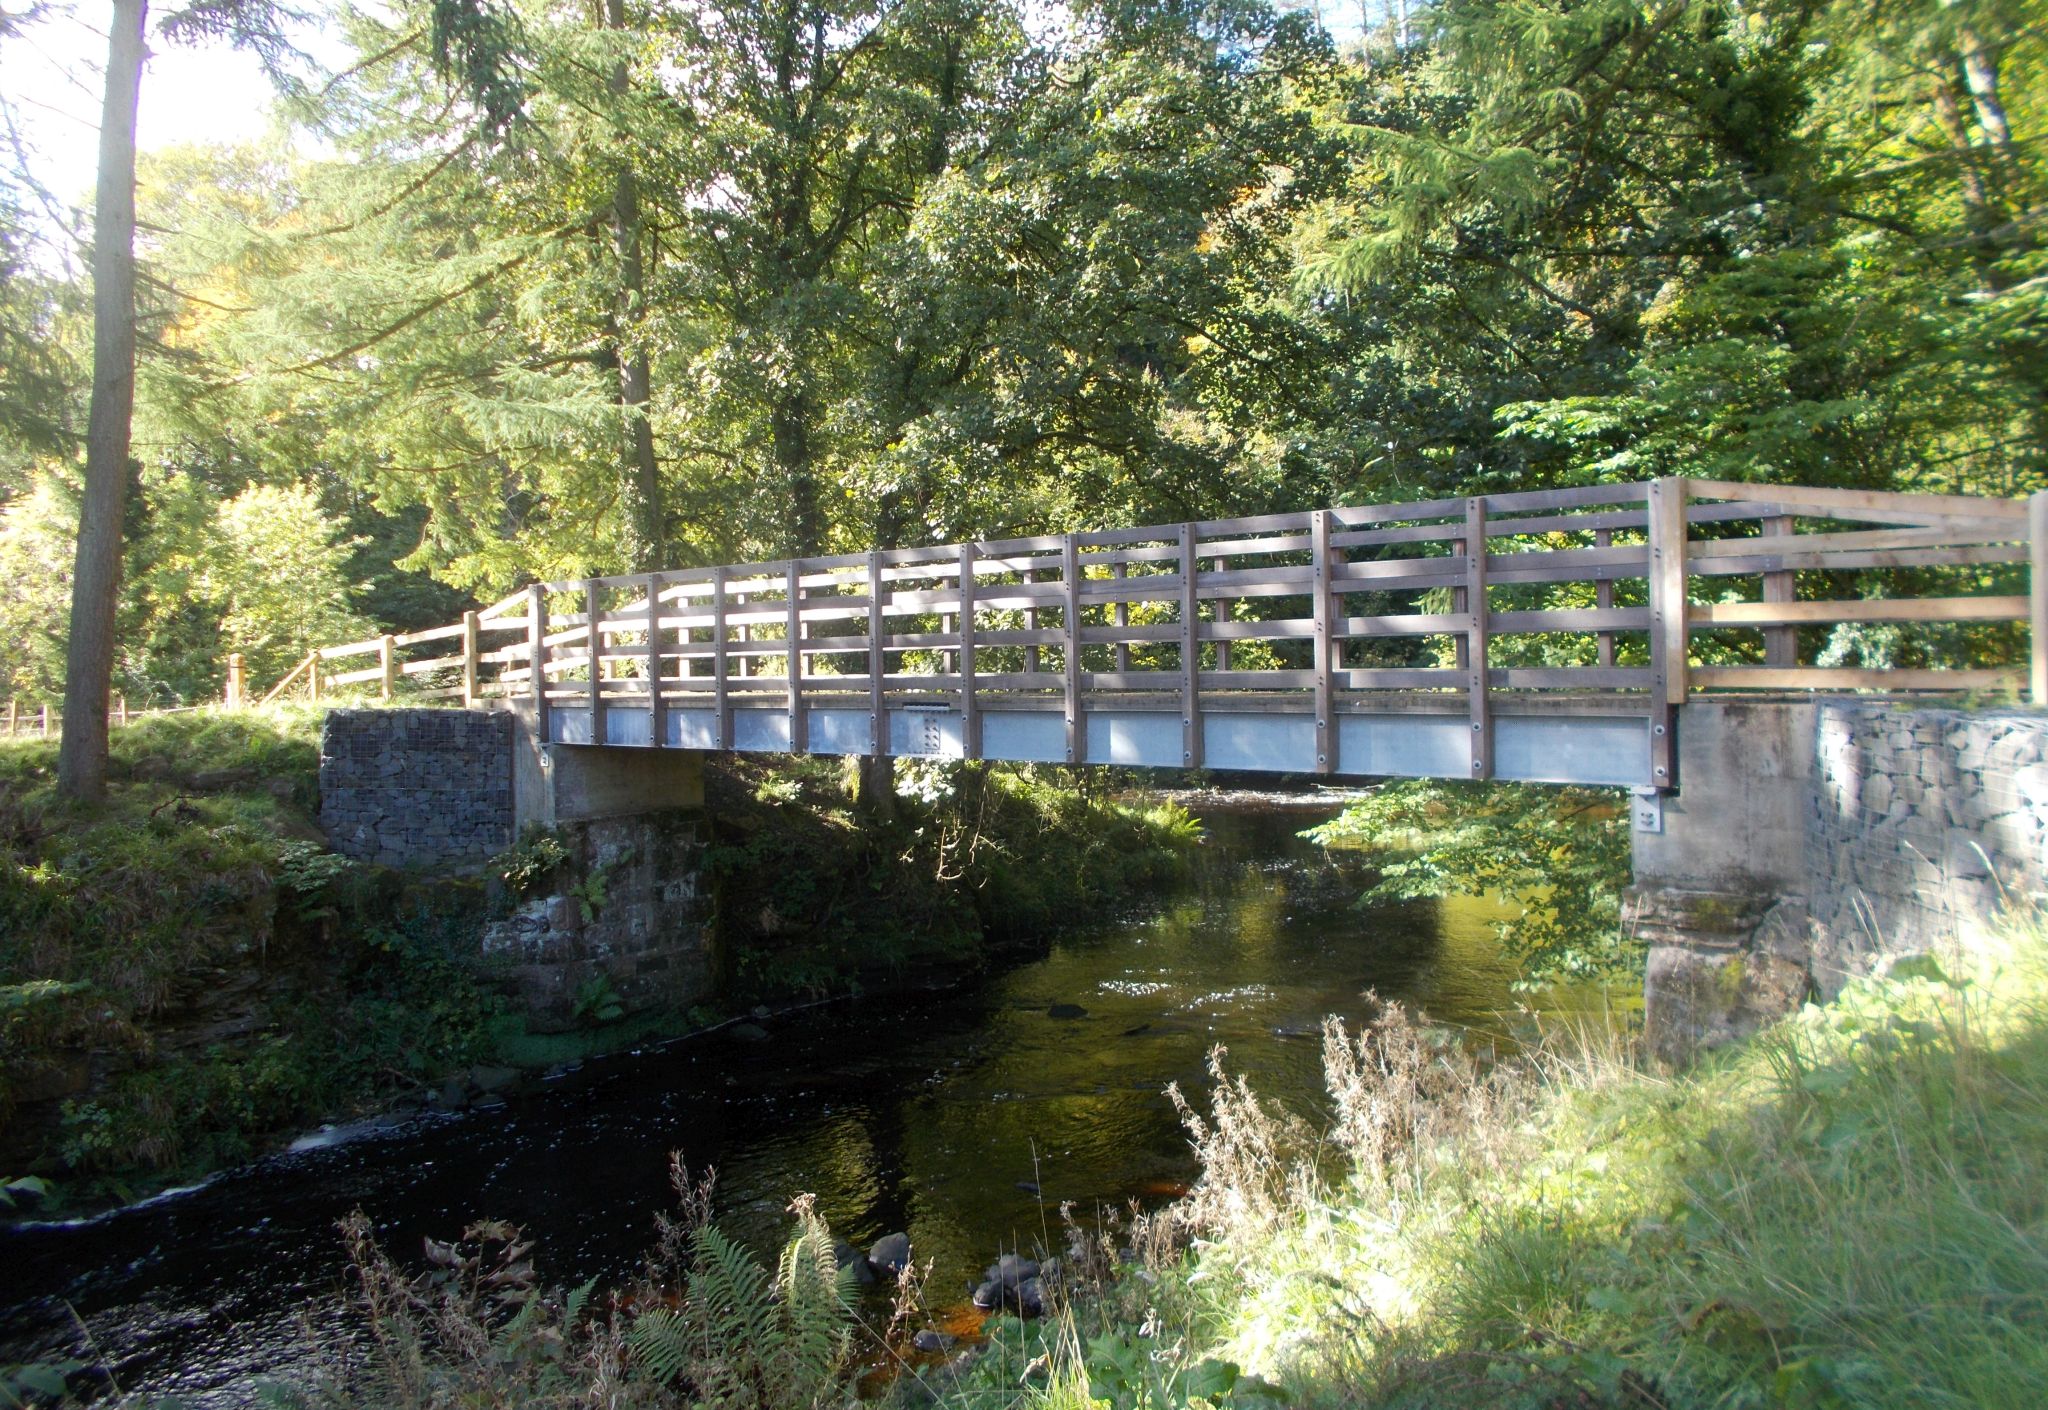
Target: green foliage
x: 1562, y: 852
x: 1839, y: 1212
x: 739, y: 1336
x: 810, y: 897
x: 118, y: 924
x: 597, y: 1002
x: 532, y: 861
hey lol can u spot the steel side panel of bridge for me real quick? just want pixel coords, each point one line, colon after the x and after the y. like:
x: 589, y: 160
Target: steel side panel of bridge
x: 1537, y: 748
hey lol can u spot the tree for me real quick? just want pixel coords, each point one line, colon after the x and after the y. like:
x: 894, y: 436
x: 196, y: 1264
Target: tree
x: 96, y: 576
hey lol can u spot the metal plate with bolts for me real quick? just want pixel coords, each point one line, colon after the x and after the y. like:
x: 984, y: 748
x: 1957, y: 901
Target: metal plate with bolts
x: 1649, y: 810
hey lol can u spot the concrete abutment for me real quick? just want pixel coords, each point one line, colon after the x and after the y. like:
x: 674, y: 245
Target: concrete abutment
x: 1810, y: 840
x: 620, y: 927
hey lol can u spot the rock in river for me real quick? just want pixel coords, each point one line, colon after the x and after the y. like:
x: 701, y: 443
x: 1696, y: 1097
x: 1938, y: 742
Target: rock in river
x: 1067, y: 1011
x: 891, y: 1252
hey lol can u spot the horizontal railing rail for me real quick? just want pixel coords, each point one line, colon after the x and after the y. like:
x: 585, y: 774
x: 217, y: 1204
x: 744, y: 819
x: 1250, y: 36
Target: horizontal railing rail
x: 1595, y: 599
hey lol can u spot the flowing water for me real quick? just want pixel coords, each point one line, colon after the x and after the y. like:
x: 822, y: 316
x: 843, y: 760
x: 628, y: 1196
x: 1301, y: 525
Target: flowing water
x: 964, y: 1117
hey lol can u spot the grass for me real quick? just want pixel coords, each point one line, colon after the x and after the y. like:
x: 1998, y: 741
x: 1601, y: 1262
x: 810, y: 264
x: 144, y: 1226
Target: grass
x: 184, y: 969
x: 1849, y: 1210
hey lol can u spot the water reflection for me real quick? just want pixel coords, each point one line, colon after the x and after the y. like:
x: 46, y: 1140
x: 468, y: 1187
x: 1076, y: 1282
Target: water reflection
x: 965, y: 1117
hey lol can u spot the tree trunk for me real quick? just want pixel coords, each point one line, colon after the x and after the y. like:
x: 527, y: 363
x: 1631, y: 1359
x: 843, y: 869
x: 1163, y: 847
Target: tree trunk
x: 789, y: 432
x: 640, y: 483
x: 96, y: 572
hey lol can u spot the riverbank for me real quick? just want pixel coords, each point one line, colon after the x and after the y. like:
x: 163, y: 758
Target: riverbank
x: 1846, y: 1210
x: 189, y: 977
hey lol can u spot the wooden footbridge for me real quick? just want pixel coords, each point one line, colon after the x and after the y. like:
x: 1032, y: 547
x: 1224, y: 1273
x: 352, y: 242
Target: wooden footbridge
x: 1547, y: 636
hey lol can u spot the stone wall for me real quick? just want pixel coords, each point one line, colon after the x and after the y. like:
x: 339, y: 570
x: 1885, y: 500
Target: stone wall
x: 623, y: 922
x: 1924, y: 825
x: 416, y: 788
x: 1913, y: 828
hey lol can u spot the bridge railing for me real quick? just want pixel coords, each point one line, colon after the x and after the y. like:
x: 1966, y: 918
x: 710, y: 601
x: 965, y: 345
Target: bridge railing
x: 1589, y: 600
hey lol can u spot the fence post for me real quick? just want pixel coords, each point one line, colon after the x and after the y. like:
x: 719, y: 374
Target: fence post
x: 721, y: 700
x: 13, y: 716
x: 471, y: 659
x: 238, y: 681
x: 120, y: 709
x: 970, y: 716
x: 387, y: 663
x: 1325, y: 646
x: 46, y: 721
x: 1190, y: 651
x: 1603, y: 598
x: 313, y: 678
x: 799, y: 742
x: 1478, y: 699
x: 878, y: 662
x: 537, y: 652
x: 1669, y: 630
x: 657, y: 707
x: 1070, y: 583
x: 593, y: 624
x: 2037, y: 592
x: 1781, y: 644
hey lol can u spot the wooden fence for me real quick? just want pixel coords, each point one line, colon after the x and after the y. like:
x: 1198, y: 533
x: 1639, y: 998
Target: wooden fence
x: 1582, y: 599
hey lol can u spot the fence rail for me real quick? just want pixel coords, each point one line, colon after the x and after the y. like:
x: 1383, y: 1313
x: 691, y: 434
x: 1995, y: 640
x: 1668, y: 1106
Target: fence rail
x: 1590, y: 599
x: 39, y: 719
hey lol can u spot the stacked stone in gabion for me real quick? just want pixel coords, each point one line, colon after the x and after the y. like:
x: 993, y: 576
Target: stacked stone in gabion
x: 416, y: 788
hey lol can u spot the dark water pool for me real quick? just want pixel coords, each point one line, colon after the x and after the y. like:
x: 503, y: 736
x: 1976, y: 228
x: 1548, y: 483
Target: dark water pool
x: 927, y: 1113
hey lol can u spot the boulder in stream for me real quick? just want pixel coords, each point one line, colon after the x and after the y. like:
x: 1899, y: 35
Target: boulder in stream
x: 891, y: 1253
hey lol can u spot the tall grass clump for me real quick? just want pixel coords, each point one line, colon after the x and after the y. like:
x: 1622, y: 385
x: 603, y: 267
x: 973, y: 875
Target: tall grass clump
x: 1847, y: 1210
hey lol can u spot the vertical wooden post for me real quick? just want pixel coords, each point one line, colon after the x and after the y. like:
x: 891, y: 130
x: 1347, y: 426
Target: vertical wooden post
x: 1325, y: 647
x: 313, y: 678
x: 46, y: 720
x: 1781, y: 644
x: 1070, y: 576
x: 1032, y: 659
x: 1190, y: 652
x: 1668, y: 626
x: 1603, y: 597
x: 1667, y: 581
x: 1222, y: 616
x: 120, y: 710
x: 537, y: 659
x: 799, y: 731
x: 387, y: 665
x: 2037, y: 591
x: 1120, y: 614
x: 970, y: 714
x: 238, y: 680
x: 472, y: 659
x: 13, y: 716
x: 1477, y: 687
x: 593, y: 626
x: 878, y: 662
x: 721, y: 700
x: 657, y: 704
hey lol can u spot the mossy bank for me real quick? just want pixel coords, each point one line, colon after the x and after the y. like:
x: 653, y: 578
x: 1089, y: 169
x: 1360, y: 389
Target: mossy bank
x: 186, y: 972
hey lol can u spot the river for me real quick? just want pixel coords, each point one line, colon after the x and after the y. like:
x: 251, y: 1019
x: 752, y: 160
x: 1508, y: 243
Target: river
x: 964, y: 1117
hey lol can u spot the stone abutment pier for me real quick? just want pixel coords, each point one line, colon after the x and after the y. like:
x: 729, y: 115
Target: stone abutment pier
x: 618, y: 925
x: 1810, y: 840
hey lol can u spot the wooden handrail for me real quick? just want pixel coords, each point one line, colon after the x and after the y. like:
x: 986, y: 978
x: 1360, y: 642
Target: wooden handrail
x: 1604, y: 570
